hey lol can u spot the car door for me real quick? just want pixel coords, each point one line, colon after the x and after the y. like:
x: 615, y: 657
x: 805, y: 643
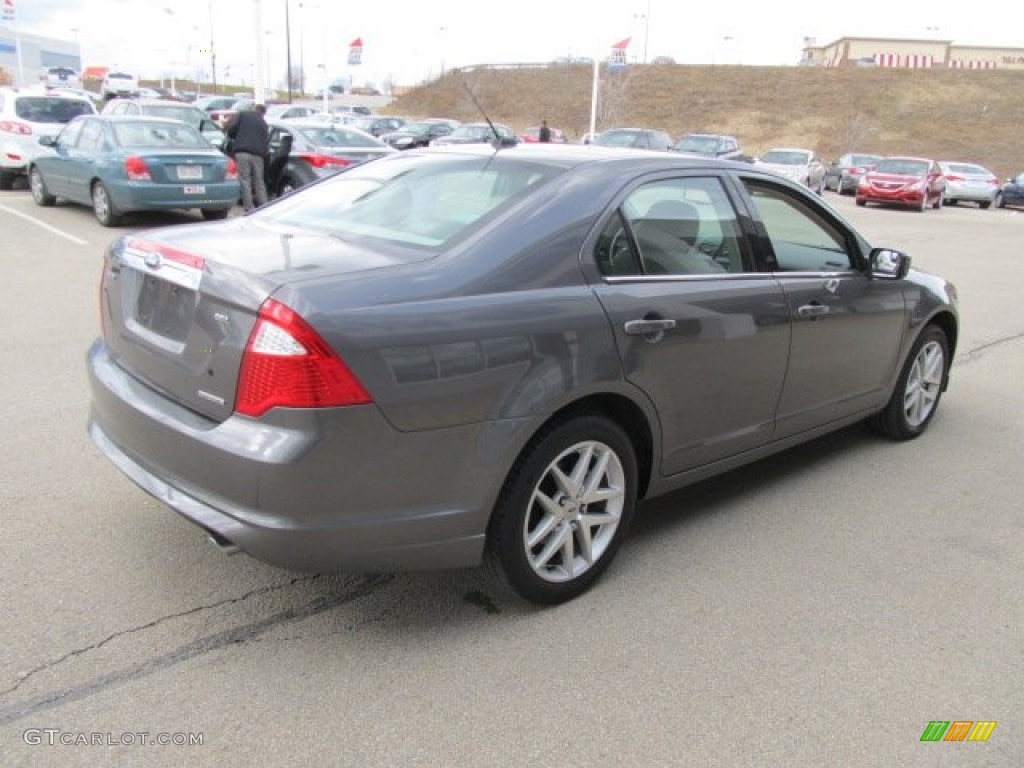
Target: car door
x: 55, y: 167
x: 698, y: 331
x: 847, y: 327
x: 87, y: 159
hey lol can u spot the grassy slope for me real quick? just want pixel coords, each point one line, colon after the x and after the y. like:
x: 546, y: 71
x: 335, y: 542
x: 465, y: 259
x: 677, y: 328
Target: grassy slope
x: 971, y: 115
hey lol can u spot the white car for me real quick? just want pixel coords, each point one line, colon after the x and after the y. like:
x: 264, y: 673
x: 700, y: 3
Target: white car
x: 799, y: 165
x: 26, y: 115
x: 969, y: 182
x: 119, y: 85
x: 62, y: 77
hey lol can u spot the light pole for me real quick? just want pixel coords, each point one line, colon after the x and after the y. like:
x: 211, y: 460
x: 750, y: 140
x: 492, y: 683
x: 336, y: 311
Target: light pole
x: 288, y: 46
x: 213, y: 53
x: 646, y: 16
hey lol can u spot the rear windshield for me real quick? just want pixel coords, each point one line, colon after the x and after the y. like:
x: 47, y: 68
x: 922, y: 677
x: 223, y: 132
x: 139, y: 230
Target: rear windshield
x: 50, y: 109
x: 337, y: 137
x: 187, y: 114
x: 976, y: 170
x: 423, y: 201
x: 145, y: 134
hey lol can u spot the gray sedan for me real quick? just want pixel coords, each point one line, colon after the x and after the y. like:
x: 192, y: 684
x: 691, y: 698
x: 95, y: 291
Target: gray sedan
x: 448, y: 357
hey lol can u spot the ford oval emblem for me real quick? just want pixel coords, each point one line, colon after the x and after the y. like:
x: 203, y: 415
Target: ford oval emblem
x: 152, y: 260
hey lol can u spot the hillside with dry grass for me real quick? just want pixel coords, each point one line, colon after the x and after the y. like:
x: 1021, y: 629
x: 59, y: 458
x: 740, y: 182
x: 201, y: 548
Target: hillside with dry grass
x: 972, y: 115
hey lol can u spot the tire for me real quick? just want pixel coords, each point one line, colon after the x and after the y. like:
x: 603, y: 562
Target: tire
x: 215, y: 214
x: 999, y: 202
x: 939, y: 201
x: 923, y: 205
x: 918, y: 390
x: 950, y: 202
x: 103, y: 206
x: 564, y: 510
x: 985, y: 205
x: 40, y: 195
x: 287, y: 186
x: 861, y: 203
x: 7, y: 180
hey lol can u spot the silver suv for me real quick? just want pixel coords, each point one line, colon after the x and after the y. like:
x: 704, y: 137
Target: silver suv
x: 27, y: 115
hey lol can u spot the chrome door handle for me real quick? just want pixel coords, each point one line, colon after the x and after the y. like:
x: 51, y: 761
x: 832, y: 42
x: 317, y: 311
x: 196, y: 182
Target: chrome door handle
x: 647, y: 327
x: 811, y: 311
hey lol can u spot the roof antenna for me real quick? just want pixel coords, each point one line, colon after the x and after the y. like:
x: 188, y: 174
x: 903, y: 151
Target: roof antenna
x: 498, y: 140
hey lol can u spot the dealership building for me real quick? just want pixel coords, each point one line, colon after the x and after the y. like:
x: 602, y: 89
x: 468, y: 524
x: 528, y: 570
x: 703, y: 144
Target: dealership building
x: 914, y: 54
x: 37, y: 55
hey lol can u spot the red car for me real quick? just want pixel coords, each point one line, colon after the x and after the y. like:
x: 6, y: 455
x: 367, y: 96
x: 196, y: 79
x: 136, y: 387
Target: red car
x: 532, y: 136
x: 914, y: 182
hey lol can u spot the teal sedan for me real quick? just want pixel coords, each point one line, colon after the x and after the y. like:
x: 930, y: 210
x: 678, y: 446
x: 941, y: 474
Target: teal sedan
x: 118, y: 164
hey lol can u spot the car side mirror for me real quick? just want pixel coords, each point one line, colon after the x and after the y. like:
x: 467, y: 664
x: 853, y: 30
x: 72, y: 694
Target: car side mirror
x: 888, y: 264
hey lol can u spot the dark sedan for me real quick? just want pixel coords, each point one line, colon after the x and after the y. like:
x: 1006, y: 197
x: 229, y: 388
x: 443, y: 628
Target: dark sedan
x: 412, y: 135
x: 475, y: 355
x: 118, y: 164
x: 304, y: 150
x: 1011, y: 193
x: 477, y: 133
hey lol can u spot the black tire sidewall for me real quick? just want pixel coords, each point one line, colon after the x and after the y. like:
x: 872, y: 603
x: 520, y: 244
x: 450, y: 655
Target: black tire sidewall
x: 505, y: 535
x: 893, y: 420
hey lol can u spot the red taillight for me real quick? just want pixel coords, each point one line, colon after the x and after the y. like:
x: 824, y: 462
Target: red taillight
x: 231, y: 172
x: 287, y: 364
x: 953, y: 177
x: 13, y: 126
x: 325, y: 161
x: 994, y: 182
x: 135, y: 168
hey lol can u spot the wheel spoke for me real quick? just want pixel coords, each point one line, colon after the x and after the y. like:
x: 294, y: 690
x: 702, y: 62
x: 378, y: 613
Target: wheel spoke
x: 555, y: 543
x: 538, y: 534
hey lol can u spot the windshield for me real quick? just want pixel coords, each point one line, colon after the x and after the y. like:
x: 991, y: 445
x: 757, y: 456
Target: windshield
x: 864, y: 159
x: 191, y: 115
x: 786, y: 157
x: 902, y: 166
x: 706, y: 144
x: 617, y: 139
x: 422, y: 201
x: 154, y: 134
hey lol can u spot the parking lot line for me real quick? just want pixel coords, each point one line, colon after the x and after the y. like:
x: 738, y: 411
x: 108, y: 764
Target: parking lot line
x: 44, y: 225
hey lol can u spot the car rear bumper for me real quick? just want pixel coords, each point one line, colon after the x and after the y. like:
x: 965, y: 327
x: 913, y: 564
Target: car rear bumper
x: 969, y: 194
x: 149, y: 196
x: 312, y: 490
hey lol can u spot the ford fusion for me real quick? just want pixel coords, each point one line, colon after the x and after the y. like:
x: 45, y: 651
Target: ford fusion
x: 461, y: 356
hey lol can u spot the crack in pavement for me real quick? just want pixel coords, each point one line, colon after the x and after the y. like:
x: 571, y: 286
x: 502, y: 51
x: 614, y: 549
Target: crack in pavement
x: 234, y: 636
x: 974, y: 354
x: 23, y: 677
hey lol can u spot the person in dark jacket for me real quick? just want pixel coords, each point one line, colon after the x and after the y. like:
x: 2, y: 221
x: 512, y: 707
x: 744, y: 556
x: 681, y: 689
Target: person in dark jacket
x: 250, y: 142
x: 545, y: 132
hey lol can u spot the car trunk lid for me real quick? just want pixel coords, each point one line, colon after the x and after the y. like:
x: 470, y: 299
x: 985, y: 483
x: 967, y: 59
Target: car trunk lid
x: 178, y: 305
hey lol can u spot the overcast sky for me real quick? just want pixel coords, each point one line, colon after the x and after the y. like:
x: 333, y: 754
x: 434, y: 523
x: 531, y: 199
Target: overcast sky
x: 413, y: 40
